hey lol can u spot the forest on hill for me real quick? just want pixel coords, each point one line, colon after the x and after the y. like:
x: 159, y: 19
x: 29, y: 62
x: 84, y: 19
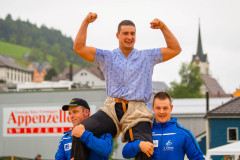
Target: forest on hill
x: 42, y: 41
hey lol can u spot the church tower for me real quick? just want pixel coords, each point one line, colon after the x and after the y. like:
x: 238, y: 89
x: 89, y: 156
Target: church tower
x: 201, y: 59
x: 210, y: 85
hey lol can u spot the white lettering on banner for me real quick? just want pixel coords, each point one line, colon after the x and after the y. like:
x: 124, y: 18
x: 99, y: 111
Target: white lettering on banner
x: 24, y: 120
x: 35, y: 121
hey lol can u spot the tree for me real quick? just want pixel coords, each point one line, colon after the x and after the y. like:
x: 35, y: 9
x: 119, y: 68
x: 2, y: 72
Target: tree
x: 47, y: 43
x: 8, y: 17
x: 62, y: 59
x: 191, y: 82
x: 13, y: 38
x: 58, y: 63
x: 36, y: 55
x: 54, y: 49
x: 50, y: 74
x: 44, y: 48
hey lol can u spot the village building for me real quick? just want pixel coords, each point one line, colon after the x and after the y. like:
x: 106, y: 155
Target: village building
x: 39, y: 70
x: 223, y: 125
x: 88, y: 77
x: 11, y: 73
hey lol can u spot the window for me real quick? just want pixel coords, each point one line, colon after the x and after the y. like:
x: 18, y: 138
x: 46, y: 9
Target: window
x: 83, y: 74
x: 232, y: 134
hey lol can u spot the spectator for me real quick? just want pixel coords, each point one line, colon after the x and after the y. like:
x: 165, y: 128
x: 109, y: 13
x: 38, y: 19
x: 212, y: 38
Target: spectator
x: 38, y: 157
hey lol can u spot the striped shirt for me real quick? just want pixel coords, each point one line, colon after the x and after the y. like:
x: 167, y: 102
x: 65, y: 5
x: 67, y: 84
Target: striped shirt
x: 128, y: 78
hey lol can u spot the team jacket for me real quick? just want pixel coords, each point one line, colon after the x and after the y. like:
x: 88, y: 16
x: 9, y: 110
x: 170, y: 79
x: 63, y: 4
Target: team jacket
x: 100, y: 147
x: 171, y: 142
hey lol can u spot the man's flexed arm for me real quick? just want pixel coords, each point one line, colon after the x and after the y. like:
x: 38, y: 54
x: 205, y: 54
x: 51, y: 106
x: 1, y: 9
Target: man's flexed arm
x: 173, y: 47
x: 87, y: 53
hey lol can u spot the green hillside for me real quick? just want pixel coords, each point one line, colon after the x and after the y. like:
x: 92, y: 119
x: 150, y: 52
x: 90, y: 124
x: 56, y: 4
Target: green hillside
x: 16, y: 51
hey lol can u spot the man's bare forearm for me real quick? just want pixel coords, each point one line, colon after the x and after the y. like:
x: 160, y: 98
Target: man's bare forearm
x: 170, y: 39
x: 80, y: 40
x: 87, y: 53
x: 173, y: 48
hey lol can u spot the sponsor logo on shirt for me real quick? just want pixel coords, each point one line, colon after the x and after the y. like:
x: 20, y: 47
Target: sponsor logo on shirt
x: 67, y: 146
x: 168, y: 146
x: 168, y: 143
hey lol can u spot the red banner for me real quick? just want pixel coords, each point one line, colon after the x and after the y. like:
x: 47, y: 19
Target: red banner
x: 35, y: 121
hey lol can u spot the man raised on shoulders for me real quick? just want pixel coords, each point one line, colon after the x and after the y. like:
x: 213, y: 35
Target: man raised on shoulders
x: 128, y: 75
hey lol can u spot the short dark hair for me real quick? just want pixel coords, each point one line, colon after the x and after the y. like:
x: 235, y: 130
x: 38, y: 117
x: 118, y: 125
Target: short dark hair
x: 162, y: 96
x: 125, y: 23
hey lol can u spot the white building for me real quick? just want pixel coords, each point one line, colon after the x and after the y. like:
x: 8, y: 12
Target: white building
x: 44, y: 86
x: 10, y: 72
x: 85, y: 77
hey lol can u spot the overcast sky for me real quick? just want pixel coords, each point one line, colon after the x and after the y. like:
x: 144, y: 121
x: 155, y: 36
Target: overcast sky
x: 219, y: 21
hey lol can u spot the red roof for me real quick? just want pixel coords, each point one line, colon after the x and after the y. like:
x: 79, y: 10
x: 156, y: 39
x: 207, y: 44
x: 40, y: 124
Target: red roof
x: 213, y: 87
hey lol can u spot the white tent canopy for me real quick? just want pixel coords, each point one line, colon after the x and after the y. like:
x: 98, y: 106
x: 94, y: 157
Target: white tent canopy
x: 228, y: 149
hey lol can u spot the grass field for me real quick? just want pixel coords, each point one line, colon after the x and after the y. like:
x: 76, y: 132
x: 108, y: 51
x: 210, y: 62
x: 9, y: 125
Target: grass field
x: 15, y: 51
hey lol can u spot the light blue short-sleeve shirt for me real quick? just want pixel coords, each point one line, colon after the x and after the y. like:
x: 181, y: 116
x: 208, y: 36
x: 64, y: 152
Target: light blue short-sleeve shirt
x: 128, y: 78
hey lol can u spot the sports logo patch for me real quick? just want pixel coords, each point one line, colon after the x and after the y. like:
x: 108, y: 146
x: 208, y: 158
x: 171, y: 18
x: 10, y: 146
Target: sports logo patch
x: 168, y: 146
x: 168, y: 143
x: 67, y: 146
